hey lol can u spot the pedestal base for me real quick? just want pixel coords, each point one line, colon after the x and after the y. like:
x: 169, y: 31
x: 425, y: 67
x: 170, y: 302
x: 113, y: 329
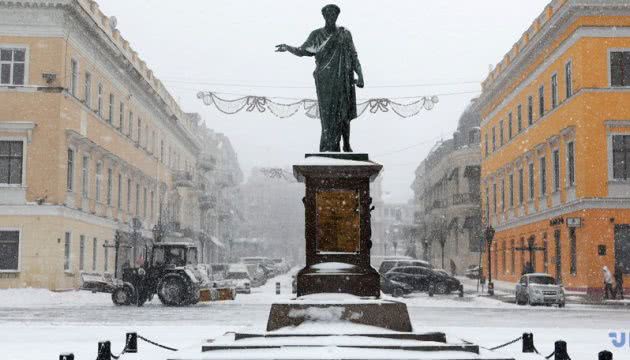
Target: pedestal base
x: 390, y: 315
x: 356, y: 280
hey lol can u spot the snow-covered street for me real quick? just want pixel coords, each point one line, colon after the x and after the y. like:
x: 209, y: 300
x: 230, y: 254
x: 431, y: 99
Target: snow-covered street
x: 38, y: 324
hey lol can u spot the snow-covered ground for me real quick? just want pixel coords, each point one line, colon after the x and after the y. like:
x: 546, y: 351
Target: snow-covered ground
x: 38, y: 324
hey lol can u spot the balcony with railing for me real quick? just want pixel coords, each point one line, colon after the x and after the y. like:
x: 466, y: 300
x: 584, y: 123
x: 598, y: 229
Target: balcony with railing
x: 182, y: 179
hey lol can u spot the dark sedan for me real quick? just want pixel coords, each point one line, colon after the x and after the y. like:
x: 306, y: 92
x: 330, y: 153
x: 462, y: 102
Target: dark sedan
x: 420, y: 278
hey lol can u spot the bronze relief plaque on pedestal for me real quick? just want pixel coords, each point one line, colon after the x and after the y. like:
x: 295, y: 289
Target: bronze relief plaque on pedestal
x: 338, y: 222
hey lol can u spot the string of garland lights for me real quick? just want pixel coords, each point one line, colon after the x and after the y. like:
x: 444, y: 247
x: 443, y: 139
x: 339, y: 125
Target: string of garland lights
x: 252, y: 103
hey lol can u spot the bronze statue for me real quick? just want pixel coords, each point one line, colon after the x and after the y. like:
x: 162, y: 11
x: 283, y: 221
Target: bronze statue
x: 336, y: 62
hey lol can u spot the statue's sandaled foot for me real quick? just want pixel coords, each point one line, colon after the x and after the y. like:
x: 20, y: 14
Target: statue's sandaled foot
x: 347, y: 148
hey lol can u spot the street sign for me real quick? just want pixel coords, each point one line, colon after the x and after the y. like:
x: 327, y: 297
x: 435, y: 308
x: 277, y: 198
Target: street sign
x: 574, y: 222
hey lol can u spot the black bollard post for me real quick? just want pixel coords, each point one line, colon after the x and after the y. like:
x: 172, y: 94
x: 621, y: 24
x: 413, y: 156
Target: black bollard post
x: 131, y: 339
x: 605, y: 355
x: 461, y: 290
x: 431, y: 290
x: 104, y: 350
x: 528, y: 343
x: 560, y: 352
x: 69, y: 356
x: 278, y: 288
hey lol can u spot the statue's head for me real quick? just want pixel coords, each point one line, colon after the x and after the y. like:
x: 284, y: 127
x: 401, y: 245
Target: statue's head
x: 331, y: 12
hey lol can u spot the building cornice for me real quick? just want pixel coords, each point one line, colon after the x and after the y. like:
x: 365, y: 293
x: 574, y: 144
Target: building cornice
x: 536, y: 43
x: 94, y: 24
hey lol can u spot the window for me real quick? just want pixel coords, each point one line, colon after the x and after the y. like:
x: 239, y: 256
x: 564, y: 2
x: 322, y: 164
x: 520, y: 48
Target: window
x: 99, y: 174
x: 87, y: 89
x: 144, y: 202
x: 504, y: 260
x: 554, y: 91
x: 10, y: 250
x: 531, y: 181
x: 109, y: 186
x: 511, y: 189
x: 99, y: 100
x: 556, y: 170
x: 70, y: 174
x: 67, y: 252
x: 81, y: 252
x: 541, y: 101
x: 543, y: 176
x: 570, y: 164
x: 510, y: 126
x: 152, y: 203
x: 568, y: 79
x: 486, y: 148
x: 521, y: 193
x: 502, y: 195
x: 513, y: 257
x: 530, y: 110
x: 130, y: 125
x: 488, y: 204
x: 573, y: 250
x: 519, y: 118
x: 153, y: 142
x: 74, y: 77
x: 12, y: 66
x: 94, y: 252
x: 110, y: 116
x: 620, y: 68
x: 85, y: 171
x: 494, y: 139
x: 121, y: 117
x: 621, y: 157
x: 501, y: 133
x: 11, y: 160
x: 119, y: 192
x: 146, y: 136
x: 137, y: 199
x: 139, y: 131
x: 106, y: 256
x: 129, y: 195
x: 494, y: 195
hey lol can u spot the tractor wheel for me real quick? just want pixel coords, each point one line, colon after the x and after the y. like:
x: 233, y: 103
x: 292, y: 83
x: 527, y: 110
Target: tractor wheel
x: 123, y: 295
x: 195, y: 295
x: 172, y: 290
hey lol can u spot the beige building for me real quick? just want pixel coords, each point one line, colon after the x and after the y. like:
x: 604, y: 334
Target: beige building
x: 447, y: 188
x: 89, y: 141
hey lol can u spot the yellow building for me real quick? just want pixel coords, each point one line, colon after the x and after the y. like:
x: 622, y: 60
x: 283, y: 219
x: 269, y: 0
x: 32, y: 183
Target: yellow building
x: 556, y: 146
x: 89, y: 141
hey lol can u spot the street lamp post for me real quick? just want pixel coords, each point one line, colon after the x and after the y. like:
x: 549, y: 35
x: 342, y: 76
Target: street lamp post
x: 489, y: 235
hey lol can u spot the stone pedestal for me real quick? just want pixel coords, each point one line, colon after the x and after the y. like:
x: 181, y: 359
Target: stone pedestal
x: 338, y: 231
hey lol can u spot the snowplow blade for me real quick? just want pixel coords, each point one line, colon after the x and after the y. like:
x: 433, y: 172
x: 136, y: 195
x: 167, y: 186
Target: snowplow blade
x: 216, y: 294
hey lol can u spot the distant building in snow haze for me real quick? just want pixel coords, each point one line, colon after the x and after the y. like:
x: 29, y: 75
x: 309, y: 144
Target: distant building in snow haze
x: 446, y: 189
x: 556, y: 146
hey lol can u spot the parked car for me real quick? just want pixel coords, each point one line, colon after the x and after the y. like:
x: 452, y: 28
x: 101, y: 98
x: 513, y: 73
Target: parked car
x: 395, y: 288
x: 473, y: 272
x: 239, y: 276
x: 420, y: 278
x: 387, y: 265
x: 539, y: 288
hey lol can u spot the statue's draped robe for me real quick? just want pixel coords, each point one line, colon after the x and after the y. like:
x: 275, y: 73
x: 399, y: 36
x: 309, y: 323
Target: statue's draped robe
x: 336, y: 60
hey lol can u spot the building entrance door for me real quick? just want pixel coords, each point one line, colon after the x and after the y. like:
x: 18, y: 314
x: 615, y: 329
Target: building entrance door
x: 556, y: 236
x: 622, y: 247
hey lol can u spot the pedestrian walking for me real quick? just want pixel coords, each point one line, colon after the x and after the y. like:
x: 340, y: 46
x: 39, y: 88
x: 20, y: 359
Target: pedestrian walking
x: 608, y: 288
x: 618, y: 282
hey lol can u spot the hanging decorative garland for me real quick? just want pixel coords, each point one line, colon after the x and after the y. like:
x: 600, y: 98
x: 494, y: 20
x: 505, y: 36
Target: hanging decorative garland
x: 261, y: 104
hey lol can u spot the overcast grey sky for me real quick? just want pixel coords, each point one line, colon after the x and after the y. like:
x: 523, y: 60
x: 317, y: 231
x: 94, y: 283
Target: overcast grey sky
x: 193, y: 44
